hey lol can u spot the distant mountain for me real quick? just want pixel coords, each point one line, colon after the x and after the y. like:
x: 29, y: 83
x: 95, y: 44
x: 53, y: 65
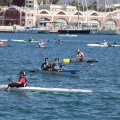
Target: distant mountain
x: 100, y: 2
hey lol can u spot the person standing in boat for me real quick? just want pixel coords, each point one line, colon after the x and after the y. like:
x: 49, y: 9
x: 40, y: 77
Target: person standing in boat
x: 46, y: 65
x: 79, y: 55
x: 21, y: 83
x: 56, y: 66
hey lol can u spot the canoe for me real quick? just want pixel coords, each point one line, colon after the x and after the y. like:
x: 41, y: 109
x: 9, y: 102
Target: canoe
x: 88, y: 60
x: 41, y: 89
x: 100, y: 45
x: 71, y: 73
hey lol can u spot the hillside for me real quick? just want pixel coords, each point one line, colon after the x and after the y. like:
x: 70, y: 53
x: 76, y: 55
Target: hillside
x: 100, y: 2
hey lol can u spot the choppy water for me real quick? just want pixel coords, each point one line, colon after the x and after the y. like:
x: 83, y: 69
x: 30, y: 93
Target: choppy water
x: 102, y: 77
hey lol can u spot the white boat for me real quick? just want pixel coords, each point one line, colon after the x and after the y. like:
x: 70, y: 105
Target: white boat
x: 41, y: 89
x: 101, y: 45
x: 14, y: 40
x: 3, y: 40
x: 32, y: 29
x: 68, y: 35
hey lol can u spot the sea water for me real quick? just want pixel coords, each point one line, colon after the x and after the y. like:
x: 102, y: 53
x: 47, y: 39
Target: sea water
x: 103, y: 78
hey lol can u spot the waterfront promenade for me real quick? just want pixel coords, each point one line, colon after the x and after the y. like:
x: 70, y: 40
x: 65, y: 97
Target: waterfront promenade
x: 18, y: 27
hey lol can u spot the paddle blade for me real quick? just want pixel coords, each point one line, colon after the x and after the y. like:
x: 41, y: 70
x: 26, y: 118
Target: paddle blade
x: 66, y: 61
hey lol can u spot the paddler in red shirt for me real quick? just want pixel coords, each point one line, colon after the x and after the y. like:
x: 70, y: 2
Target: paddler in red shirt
x: 21, y: 83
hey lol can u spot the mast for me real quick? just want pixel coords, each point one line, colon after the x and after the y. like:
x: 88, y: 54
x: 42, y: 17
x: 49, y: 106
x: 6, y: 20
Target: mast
x: 78, y: 15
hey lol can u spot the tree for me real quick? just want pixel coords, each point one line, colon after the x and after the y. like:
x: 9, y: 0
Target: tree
x: 94, y: 5
x: 54, y: 1
x: 73, y: 3
x: 9, y: 2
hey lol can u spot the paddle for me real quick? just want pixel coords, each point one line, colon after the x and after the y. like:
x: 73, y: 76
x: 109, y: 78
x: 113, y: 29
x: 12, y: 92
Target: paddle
x: 10, y: 80
x: 36, y: 69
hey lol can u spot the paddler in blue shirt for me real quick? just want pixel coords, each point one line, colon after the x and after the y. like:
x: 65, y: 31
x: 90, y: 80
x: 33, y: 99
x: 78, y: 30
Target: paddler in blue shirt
x: 79, y: 55
x: 56, y: 66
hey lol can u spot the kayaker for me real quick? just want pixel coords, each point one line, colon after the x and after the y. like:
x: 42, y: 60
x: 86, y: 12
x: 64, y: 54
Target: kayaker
x: 31, y: 39
x: 60, y: 40
x: 21, y: 83
x: 1, y: 43
x: 105, y: 43
x: 79, y: 55
x: 40, y: 44
x: 56, y: 66
x: 46, y: 65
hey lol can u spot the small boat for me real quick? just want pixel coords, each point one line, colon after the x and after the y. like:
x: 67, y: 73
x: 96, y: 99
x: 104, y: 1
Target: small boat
x: 42, y: 46
x: 3, y: 40
x: 13, y: 40
x: 41, y: 89
x: 88, y: 60
x: 45, y: 31
x: 68, y: 35
x: 32, y: 29
x: 102, y: 45
x: 71, y: 73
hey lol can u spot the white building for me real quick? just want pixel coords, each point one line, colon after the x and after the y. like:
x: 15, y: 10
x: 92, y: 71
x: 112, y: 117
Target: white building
x: 32, y: 4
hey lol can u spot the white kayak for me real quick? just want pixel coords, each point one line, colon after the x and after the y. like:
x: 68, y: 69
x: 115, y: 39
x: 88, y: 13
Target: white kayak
x: 3, y: 40
x: 67, y: 35
x: 13, y: 40
x: 41, y: 89
x: 101, y: 45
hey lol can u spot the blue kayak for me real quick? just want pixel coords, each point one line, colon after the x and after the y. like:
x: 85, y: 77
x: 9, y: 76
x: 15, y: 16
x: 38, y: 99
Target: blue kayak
x: 74, y: 73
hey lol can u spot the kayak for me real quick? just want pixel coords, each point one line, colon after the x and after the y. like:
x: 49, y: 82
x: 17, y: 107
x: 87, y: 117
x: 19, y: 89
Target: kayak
x: 12, y: 40
x: 88, y: 60
x: 71, y: 73
x: 3, y: 40
x: 100, y: 45
x: 42, y: 46
x: 41, y: 89
x: 67, y: 35
x: 97, y: 45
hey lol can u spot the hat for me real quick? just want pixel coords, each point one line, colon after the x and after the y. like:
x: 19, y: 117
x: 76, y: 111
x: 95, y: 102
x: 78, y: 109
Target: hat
x: 22, y: 72
x: 78, y: 50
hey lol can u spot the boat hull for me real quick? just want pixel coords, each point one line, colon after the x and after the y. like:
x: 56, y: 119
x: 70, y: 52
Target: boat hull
x: 99, y: 45
x: 41, y: 89
x: 44, y: 31
x: 90, y: 60
x: 72, y: 73
x: 73, y: 31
